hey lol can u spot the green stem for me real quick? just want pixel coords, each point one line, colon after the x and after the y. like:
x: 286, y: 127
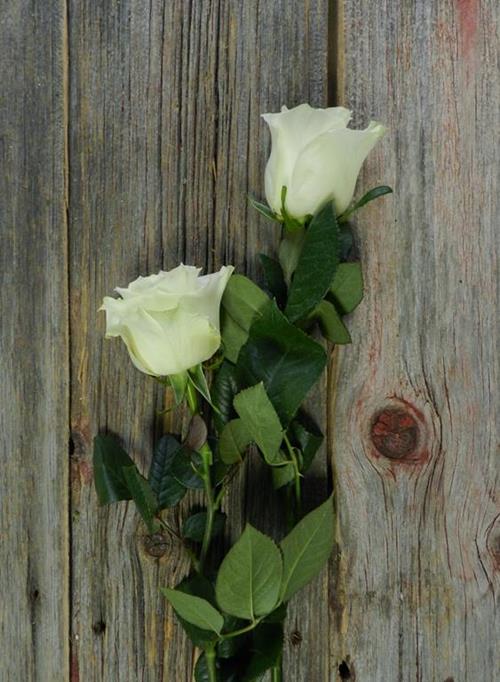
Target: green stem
x: 212, y: 670
x: 207, y: 535
x: 297, y: 487
x: 212, y: 504
x: 242, y: 631
x: 276, y: 672
x: 298, y: 496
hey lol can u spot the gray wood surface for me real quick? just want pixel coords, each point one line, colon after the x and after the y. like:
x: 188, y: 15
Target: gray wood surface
x: 418, y: 579
x: 34, y: 371
x: 129, y: 139
x: 166, y: 141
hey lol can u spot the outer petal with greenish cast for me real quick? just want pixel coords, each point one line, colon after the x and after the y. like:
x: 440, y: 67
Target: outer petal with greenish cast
x: 316, y: 157
x: 169, y: 321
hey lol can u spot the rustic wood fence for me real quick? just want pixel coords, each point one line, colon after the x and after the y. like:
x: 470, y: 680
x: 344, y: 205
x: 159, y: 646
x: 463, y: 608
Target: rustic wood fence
x: 129, y: 139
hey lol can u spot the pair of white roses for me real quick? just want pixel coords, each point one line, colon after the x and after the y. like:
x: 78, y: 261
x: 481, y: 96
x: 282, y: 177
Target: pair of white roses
x: 170, y: 321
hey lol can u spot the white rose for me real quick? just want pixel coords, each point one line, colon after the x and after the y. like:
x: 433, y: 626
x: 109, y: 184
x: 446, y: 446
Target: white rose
x: 316, y: 157
x: 169, y: 321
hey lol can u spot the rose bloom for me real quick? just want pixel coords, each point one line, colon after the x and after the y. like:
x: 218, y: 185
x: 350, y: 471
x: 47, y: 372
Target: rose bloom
x: 169, y: 321
x: 316, y: 157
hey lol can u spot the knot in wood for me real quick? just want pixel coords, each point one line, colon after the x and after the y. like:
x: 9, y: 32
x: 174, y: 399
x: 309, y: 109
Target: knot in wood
x: 156, y: 544
x: 394, y: 433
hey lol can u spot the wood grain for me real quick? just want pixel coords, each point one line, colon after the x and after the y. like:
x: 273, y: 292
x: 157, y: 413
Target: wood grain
x: 165, y: 144
x: 34, y: 561
x: 130, y: 137
x: 419, y: 573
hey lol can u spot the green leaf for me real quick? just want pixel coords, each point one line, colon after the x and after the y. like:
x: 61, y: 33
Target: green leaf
x: 317, y: 264
x: 283, y: 475
x: 185, y: 465
x: 275, y: 279
x: 266, y: 650
x: 225, y: 386
x: 198, y: 586
x: 242, y: 302
x: 194, y: 526
x: 331, y: 323
x: 307, y: 548
x: 144, y: 498
x: 369, y: 196
x: 248, y: 582
x: 278, y: 615
x: 347, y: 287
x: 284, y: 358
x: 263, y: 209
x: 219, y: 470
x: 178, y: 383
x: 109, y: 460
x: 167, y: 488
x: 233, y: 337
x: 233, y: 442
x: 307, y: 436
x: 196, y: 376
x: 260, y: 421
x: 195, y: 610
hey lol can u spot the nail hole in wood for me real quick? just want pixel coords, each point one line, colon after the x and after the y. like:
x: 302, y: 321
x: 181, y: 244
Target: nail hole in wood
x: 344, y: 671
x: 99, y: 628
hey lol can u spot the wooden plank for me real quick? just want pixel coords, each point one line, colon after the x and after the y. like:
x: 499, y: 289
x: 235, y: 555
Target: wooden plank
x: 34, y: 363
x: 165, y: 143
x: 271, y: 54
x: 419, y: 515
x: 117, y: 170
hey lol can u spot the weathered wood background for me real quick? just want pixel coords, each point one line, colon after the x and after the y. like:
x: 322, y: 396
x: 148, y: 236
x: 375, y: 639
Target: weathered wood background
x: 129, y: 138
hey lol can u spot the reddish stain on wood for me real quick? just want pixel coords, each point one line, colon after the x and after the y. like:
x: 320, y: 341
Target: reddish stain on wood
x: 75, y: 670
x: 86, y: 472
x: 81, y: 436
x: 468, y: 11
x: 81, y: 473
